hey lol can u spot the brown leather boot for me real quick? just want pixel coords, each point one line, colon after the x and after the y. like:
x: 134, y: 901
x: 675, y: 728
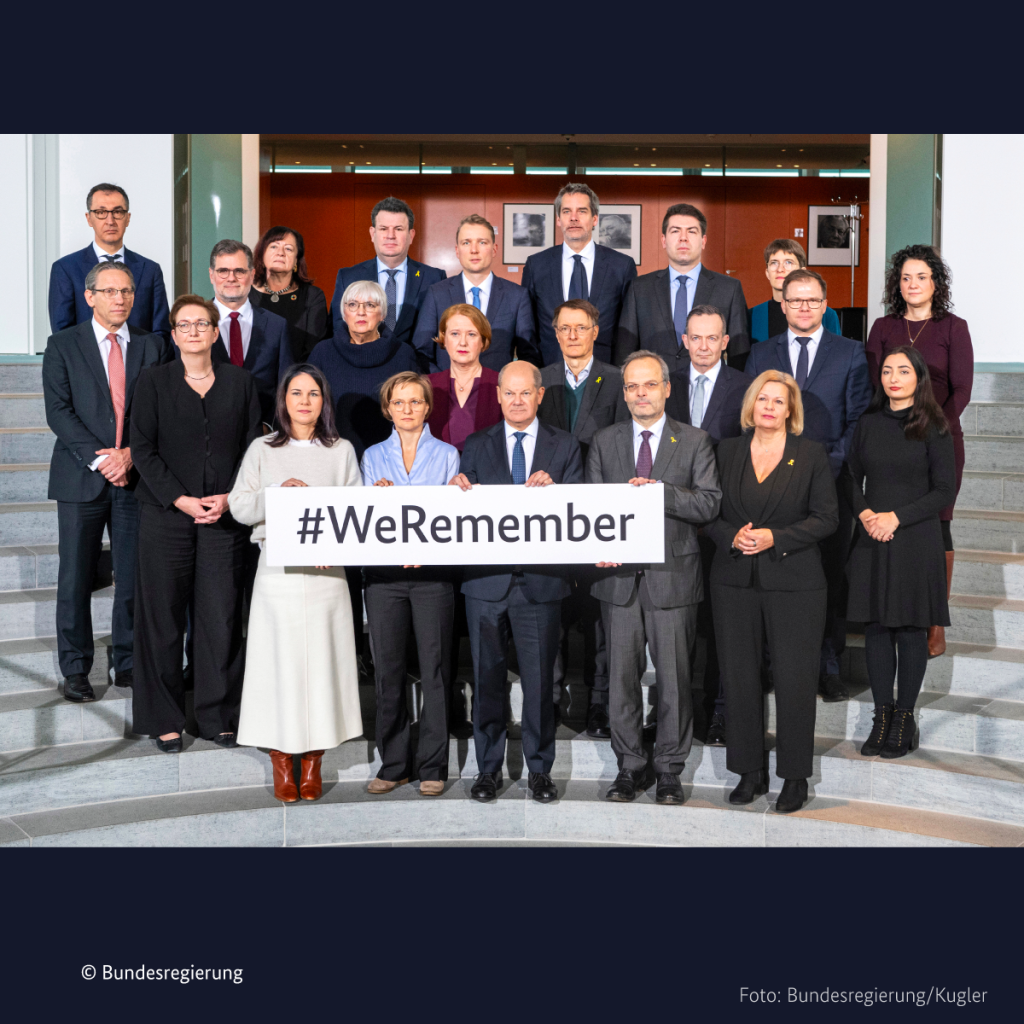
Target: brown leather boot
x: 311, y: 786
x: 937, y: 634
x: 285, y: 789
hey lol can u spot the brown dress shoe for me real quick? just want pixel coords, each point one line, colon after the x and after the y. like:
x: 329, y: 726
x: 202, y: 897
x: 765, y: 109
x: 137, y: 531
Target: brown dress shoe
x: 937, y: 634
x: 285, y: 789
x: 431, y: 788
x: 381, y: 786
x: 311, y: 786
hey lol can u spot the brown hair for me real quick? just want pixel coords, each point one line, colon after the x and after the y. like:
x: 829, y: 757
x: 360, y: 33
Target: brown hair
x: 275, y: 235
x: 583, y: 306
x: 325, y: 431
x: 400, y: 380
x: 942, y: 301
x: 195, y: 300
x: 480, y: 322
x: 805, y: 275
x: 475, y: 218
x: 789, y: 247
x: 795, y: 423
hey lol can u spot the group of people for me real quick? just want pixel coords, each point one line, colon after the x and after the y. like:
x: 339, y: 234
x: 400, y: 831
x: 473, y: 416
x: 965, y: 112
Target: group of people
x: 808, y: 479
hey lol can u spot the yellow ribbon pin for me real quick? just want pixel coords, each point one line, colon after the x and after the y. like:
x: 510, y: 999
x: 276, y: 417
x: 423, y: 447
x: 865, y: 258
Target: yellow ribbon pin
x: 673, y: 440
x: 792, y: 462
x: 598, y: 380
x: 417, y: 273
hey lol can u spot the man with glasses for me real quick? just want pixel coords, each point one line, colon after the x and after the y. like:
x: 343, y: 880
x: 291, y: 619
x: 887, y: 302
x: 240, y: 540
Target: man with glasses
x: 832, y: 373
x: 107, y: 213
x: 250, y: 337
x: 768, y: 320
x: 89, y: 377
x: 654, y: 605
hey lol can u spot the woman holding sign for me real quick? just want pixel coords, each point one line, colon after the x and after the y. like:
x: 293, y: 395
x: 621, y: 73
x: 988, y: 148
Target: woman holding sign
x: 410, y: 600
x: 301, y: 693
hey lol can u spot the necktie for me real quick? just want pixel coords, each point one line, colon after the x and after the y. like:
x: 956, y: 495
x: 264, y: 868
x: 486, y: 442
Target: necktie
x: 519, y: 459
x: 697, y: 407
x: 578, y: 288
x: 802, y: 363
x: 111, y: 259
x: 391, y: 294
x: 115, y: 370
x: 645, y: 461
x: 681, y: 311
x: 476, y: 298
x: 237, y: 355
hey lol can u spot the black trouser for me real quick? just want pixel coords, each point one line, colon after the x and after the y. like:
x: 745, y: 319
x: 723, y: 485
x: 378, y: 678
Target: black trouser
x: 80, y: 528
x: 183, y: 562
x: 394, y: 608
x: 881, y: 646
x: 835, y: 550
x: 581, y: 607
x: 791, y: 623
x: 354, y: 577
x: 714, y: 692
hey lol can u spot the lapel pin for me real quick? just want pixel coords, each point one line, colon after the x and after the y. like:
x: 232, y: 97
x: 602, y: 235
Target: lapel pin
x: 792, y: 462
x: 598, y: 381
x: 673, y: 440
x: 417, y: 273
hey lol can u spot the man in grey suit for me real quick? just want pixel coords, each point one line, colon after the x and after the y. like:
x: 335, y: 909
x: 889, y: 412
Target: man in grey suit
x: 654, y: 605
x: 657, y: 305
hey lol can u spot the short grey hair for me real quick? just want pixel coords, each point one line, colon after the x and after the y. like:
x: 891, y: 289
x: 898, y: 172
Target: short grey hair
x: 644, y: 354
x: 93, y: 276
x: 575, y: 188
x: 538, y: 379
x: 366, y: 291
x: 228, y: 247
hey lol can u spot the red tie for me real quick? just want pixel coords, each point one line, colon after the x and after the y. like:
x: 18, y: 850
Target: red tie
x: 237, y: 355
x: 115, y: 371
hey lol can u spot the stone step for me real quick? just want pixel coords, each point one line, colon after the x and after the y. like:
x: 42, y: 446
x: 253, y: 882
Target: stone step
x: 21, y: 377
x: 20, y: 445
x: 26, y: 614
x: 24, y: 483
x: 28, y: 524
x: 45, y: 719
x: 989, y: 574
x: 992, y: 492
x: 988, y: 621
x: 30, y: 666
x: 988, y: 531
x: 994, y: 454
x: 25, y: 568
x: 24, y: 410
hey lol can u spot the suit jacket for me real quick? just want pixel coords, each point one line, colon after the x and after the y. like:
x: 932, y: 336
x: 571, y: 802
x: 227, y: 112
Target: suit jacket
x: 79, y: 409
x: 836, y: 394
x: 802, y: 510
x: 647, y: 317
x: 488, y: 409
x: 485, y: 461
x: 513, y: 335
x: 420, y: 279
x: 722, y: 414
x: 542, y: 278
x: 685, y: 463
x: 67, y: 293
x: 268, y: 359
x: 603, y: 403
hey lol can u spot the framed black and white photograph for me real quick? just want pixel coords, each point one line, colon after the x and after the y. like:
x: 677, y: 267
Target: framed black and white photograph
x: 829, y: 237
x: 618, y: 228
x: 529, y: 229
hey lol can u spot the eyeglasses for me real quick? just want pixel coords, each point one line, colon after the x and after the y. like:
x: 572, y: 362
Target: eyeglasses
x: 185, y: 326
x: 800, y: 303
x: 787, y: 265
x: 113, y: 293
x: 224, y: 273
x: 568, y: 332
x: 119, y: 214
x: 413, y: 403
x: 355, y: 307
x: 651, y: 385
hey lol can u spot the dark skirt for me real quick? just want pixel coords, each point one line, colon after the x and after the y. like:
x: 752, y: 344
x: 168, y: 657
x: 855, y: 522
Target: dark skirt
x: 959, y: 453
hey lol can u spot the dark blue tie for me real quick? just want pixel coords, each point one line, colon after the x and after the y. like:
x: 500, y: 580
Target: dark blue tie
x: 680, y: 316
x: 802, y: 362
x: 519, y: 459
x: 578, y: 288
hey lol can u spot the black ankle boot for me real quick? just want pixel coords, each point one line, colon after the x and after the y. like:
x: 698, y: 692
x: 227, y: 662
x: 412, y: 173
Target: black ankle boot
x: 904, y: 735
x: 752, y: 785
x: 879, y: 731
x: 792, y: 797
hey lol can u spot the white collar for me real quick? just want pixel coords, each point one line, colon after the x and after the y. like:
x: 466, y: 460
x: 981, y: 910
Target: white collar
x: 102, y: 254
x: 815, y: 337
x: 245, y: 313
x: 657, y: 430
x: 589, y: 253
x: 101, y: 332
x: 530, y: 431
x: 584, y: 373
x: 402, y: 268
x: 712, y: 374
x: 484, y: 286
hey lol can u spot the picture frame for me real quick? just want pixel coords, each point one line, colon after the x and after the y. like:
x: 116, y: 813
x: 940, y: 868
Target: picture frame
x: 529, y: 228
x: 828, y: 237
x: 620, y: 228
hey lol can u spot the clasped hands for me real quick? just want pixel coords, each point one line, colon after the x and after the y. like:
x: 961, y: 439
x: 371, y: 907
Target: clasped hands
x: 205, y: 511
x: 116, y: 466
x: 752, y: 542
x: 880, y: 526
x: 539, y: 479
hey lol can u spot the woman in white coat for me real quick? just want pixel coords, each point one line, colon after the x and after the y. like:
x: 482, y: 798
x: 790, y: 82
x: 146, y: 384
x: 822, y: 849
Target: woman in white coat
x: 301, y: 692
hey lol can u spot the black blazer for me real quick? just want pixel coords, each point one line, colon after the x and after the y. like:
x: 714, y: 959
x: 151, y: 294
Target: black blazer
x: 180, y: 439
x: 542, y: 278
x: 801, y: 511
x: 311, y: 323
x: 722, y: 415
x: 603, y: 402
x: 485, y: 461
x: 513, y: 335
x: 647, y: 317
x: 79, y: 409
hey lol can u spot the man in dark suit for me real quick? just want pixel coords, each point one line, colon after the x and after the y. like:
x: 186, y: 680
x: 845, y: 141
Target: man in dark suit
x: 405, y: 282
x: 578, y: 269
x: 89, y: 377
x: 108, y: 215
x: 582, y: 396
x: 709, y: 394
x: 523, y: 601
x: 250, y: 337
x: 655, y: 311
x: 506, y: 305
x: 832, y: 373
x: 654, y: 605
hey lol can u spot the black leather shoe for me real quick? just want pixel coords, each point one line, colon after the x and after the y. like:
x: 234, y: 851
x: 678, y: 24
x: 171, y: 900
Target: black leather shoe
x: 832, y: 689
x: 670, y: 790
x: 78, y: 690
x: 629, y: 783
x: 226, y: 740
x: 904, y: 735
x: 542, y: 788
x: 879, y: 730
x: 792, y: 797
x: 486, y: 787
x: 716, y: 732
x: 170, y: 746
x: 598, y: 725
x: 124, y: 679
x: 752, y: 785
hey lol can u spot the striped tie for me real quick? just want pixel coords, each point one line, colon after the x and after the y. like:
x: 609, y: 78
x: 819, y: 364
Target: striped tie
x: 115, y: 367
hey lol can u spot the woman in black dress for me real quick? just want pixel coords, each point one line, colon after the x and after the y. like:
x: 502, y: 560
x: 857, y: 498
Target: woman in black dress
x: 191, y: 425
x: 283, y: 286
x: 903, y: 449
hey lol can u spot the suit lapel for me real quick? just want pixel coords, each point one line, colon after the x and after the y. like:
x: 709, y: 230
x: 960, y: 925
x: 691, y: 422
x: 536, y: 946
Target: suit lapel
x: 412, y: 293
x: 717, y: 398
x: 91, y: 351
x: 133, y: 261
x: 544, y: 450
x: 736, y: 478
x: 783, y: 476
x: 624, y: 444
x: 686, y: 399
x: 135, y: 354
x: 556, y: 396
x: 705, y: 286
x: 590, y: 393
x: 667, y: 449
x: 787, y: 363
x: 600, y: 258
x: 664, y: 303
x: 494, y: 301
x: 255, y: 340
x: 499, y: 452
x: 821, y: 357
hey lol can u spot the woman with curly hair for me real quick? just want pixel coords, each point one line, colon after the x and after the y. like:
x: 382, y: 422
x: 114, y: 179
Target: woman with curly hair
x: 919, y: 314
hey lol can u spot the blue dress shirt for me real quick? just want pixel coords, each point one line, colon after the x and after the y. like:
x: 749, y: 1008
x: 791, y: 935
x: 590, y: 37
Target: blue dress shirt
x: 401, y: 279
x: 690, y: 282
x: 434, y: 466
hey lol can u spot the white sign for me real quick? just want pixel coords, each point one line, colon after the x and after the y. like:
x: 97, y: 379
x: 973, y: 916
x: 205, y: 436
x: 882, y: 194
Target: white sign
x: 564, y: 524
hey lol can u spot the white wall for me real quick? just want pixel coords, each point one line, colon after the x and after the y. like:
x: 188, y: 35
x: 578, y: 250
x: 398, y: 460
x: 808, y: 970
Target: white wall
x: 878, y: 214
x: 16, y: 254
x: 982, y: 227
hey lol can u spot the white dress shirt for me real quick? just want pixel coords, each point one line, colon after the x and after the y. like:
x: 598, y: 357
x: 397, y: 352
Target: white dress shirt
x: 589, y: 254
x: 102, y: 254
x: 401, y: 280
x: 529, y: 443
x: 690, y: 280
x: 244, y: 321
x: 485, y: 292
x: 709, y: 386
x: 657, y: 430
x: 812, y: 347
x: 573, y: 381
x: 123, y: 338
